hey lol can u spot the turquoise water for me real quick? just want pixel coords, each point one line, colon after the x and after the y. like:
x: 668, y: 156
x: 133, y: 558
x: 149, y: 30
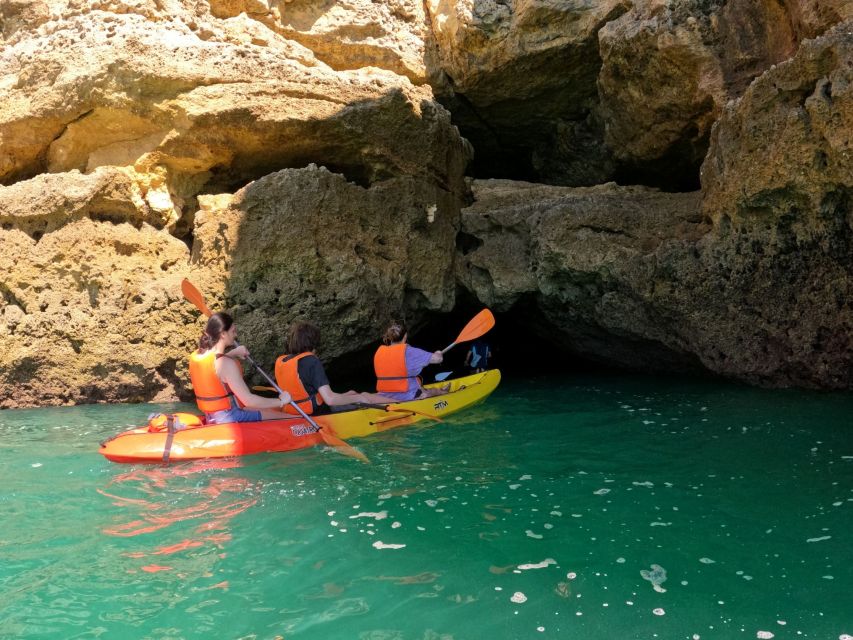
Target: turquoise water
x: 590, y: 507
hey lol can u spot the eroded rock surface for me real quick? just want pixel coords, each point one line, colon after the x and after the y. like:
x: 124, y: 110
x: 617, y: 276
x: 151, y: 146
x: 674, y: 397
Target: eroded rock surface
x: 633, y: 276
x: 668, y: 68
x: 307, y: 244
x: 520, y: 79
x: 126, y: 129
x: 292, y: 160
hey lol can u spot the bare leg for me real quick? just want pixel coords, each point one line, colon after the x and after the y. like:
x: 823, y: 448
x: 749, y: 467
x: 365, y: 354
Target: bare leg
x: 429, y: 393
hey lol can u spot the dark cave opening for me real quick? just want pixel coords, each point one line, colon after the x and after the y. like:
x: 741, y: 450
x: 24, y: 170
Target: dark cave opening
x: 517, y: 348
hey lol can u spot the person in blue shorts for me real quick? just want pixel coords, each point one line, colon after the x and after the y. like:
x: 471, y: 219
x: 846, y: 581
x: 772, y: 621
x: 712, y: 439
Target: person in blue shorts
x: 220, y: 391
x: 477, y: 358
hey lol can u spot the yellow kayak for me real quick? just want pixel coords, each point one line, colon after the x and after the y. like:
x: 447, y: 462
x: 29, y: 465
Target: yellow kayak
x: 463, y: 393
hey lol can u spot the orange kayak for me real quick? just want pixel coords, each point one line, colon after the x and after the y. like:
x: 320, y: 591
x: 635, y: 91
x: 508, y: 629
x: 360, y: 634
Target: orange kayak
x: 191, y: 439
x: 210, y: 441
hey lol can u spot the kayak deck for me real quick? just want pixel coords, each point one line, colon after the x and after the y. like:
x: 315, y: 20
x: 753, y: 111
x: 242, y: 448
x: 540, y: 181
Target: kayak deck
x: 289, y: 434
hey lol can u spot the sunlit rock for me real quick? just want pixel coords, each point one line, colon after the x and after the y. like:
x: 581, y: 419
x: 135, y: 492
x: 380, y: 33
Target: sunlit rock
x: 520, y: 79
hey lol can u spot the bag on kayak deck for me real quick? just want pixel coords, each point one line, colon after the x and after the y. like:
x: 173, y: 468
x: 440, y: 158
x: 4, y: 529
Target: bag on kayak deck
x: 160, y: 421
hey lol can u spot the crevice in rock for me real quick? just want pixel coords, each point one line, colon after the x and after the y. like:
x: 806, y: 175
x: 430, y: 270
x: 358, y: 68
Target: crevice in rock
x: 228, y: 180
x: 10, y: 298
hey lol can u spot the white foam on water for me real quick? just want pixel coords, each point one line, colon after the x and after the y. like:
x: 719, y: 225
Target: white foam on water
x: 577, y: 515
x: 782, y: 622
x: 535, y: 536
x: 660, y: 524
x: 764, y: 635
x: 36, y: 465
x: 828, y: 577
x: 601, y: 492
x: 421, y: 529
x: 620, y: 560
x: 431, y: 503
x: 644, y: 484
x: 845, y: 636
x: 538, y: 565
x: 658, y: 611
x: 385, y: 496
x: 706, y: 561
x: 555, y: 513
x: 518, y: 597
x: 571, y: 575
x: 821, y: 539
x: 334, y: 523
x: 526, y: 477
x: 657, y: 576
x: 381, y: 545
x: 396, y: 525
x: 548, y: 525
x: 837, y: 504
x: 540, y: 629
x: 514, y: 486
x: 330, y: 514
x: 378, y: 515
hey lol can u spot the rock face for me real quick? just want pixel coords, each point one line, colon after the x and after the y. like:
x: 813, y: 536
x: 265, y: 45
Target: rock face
x: 593, y: 264
x: 580, y: 93
x: 128, y: 129
x: 753, y: 277
x: 520, y: 79
x: 633, y: 276
x: 293, y: 160
x: 307, y: 244
x: 90, y: 293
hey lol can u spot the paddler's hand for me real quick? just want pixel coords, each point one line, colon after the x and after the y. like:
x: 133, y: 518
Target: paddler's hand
x: 241, y: 353
x: 285, y: 399
x: 438, y: 358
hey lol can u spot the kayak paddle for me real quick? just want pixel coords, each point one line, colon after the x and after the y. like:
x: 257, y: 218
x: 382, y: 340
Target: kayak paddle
x: 194, y: 296
x: 444, y: 375
x: 477, y: 326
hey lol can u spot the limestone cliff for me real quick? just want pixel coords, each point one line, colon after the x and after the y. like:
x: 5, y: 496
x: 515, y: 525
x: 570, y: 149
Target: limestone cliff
x: 128, y: 130
x: 301, y: 159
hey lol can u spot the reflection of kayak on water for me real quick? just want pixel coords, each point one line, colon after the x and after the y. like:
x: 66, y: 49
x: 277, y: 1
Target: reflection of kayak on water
x: 192, y: 439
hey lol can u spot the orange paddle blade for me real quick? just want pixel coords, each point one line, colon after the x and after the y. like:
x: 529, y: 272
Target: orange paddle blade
x: 341, y: 446
x: 478, y: 325
x: 194, y: 296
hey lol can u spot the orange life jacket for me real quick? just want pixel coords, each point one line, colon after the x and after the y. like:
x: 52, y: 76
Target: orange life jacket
x: 210, y: 394
x: 287, y: 377
x: 389, y: 363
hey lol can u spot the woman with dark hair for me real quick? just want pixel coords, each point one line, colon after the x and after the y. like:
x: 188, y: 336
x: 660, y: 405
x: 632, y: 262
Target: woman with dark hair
x: 301, y: 373
x: 220, y: 391
x: 398, y: 364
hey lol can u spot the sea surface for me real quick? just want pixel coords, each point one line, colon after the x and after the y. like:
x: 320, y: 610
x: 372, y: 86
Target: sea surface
x: 584, y: 507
